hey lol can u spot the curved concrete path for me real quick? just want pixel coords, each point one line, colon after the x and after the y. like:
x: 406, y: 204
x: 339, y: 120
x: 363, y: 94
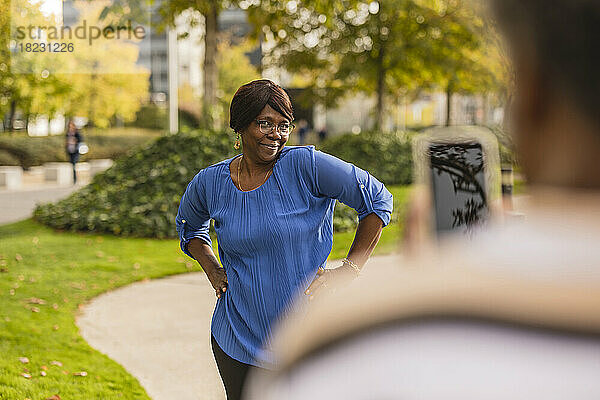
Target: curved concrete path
x: 160, y: 332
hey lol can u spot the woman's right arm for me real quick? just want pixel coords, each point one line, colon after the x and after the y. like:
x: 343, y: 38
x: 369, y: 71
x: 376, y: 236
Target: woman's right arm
x: 193, y: 221
x: 203, y: 253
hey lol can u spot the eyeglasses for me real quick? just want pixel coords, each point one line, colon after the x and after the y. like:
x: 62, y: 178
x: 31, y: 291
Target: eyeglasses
x: 266, y: 127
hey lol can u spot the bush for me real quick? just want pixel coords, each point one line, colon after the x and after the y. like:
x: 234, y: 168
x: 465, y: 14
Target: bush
x: 29, y: 151
x: 506, y: 146
x: 150, y: 116
x: 10, y: 154
x: 386, y: 156
x: 139, y: 195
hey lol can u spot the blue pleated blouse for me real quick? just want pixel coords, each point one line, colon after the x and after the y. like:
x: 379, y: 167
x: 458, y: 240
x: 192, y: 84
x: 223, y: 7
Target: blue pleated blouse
x: 272, y: 239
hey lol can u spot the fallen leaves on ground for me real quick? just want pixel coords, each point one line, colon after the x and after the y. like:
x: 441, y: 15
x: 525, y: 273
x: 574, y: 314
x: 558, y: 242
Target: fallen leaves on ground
x: 24, y: 360
x: 81, y: 373
x: 78, y: 285
x: 57, y: 363
x: 35, y: 300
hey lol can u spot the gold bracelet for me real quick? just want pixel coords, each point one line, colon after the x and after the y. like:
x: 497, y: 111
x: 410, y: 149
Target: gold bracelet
x: 350, y: 263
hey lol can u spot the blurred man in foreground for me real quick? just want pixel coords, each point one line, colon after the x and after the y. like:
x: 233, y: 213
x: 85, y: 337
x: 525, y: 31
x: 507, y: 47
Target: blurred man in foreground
x: 514, y: 314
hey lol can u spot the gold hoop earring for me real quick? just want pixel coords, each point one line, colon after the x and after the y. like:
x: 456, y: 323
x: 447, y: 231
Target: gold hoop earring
x: 237, y: 142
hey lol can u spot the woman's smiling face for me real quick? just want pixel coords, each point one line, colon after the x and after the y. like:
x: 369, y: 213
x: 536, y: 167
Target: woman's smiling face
x: 265, y: 147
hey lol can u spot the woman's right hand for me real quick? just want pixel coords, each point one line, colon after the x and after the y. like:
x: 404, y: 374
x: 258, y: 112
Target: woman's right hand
x: 218, y: 280
x: 203, y: 253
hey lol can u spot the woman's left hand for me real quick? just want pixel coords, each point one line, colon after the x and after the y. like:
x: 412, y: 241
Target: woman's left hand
x: 329, y: 279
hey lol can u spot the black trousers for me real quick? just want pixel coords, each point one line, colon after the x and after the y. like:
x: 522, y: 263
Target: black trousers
x: 73, y: 158
x: 233, y: 373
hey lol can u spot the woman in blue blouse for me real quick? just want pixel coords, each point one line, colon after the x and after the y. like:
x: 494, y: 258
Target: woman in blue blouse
x: 272, y: 208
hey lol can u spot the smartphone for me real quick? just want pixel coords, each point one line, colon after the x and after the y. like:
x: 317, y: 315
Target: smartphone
x: 458, y: 187
x: 459, y: 170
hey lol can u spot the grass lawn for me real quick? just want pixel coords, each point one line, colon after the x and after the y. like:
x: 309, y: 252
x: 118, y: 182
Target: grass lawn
x: 391, y: 235
x: 46, y: 276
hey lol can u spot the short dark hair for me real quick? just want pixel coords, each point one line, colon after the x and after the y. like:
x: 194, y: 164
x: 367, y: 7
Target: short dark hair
x: 564, y: 35
x: 251, y: 98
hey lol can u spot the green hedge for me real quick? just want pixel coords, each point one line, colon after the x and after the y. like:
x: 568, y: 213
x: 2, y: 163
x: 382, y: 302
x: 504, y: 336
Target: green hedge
x: 506, y: 146
x: 151, y: 116
x: 139, y: 195
x: 387, y: 156
x: 29, y: 151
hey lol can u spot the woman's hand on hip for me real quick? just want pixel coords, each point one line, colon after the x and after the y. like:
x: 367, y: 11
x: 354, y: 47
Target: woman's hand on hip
x: 218, y: 280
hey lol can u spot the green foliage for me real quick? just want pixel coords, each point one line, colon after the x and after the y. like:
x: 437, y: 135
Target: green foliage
x: 139, y: 195
x: 390, y: 49
x: 12, y: 154
x: 188, y: 119
x: 387, y: 156
x: 234, y: 70
x: 48, y: 88
x: 30, y: 151
x: 150, y: 117
x: 506, y: 146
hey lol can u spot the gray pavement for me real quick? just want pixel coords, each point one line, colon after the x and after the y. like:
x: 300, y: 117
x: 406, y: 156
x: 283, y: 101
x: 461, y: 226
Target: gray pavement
x: 16, y: 205
x: 160, y: 332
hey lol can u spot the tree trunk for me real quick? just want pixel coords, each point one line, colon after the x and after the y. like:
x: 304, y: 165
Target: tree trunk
x: 211, y: 75
x: 448, y: 103
x: 93, y: 95
x: 11, y: 115
x: 507, y: 109
x: 379, y: 122
x: 486, y: 110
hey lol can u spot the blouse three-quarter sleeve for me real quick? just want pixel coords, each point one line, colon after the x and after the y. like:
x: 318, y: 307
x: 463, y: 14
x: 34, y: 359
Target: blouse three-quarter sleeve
x: 352, y: 186
x: 193, y: 219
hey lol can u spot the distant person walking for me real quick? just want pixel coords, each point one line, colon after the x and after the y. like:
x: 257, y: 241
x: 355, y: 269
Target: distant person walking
x: 302, y: 131
x: 73, y: 140
x: 322, y: 134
